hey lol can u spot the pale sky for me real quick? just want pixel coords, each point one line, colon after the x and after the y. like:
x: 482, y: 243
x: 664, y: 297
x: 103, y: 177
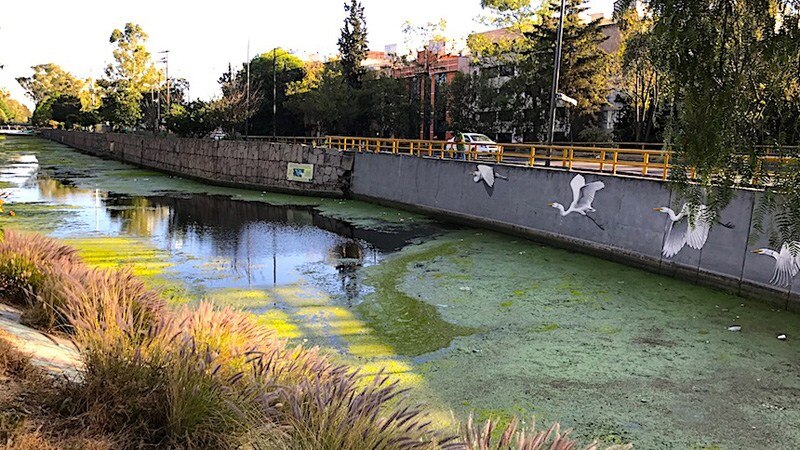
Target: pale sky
x: 203, y: 37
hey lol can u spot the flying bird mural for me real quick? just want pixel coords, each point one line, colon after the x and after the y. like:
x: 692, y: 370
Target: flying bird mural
x: 689, y: 227
x: 487, y: 174
x: 787, y: 263
x: 583, y: 194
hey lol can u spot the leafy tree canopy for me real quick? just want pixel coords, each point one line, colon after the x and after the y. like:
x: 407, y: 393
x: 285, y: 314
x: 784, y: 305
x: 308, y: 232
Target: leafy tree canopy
x: 50, y: 81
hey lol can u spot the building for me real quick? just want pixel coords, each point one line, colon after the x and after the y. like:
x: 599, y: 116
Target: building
x: 502, y: 69
x: 428, y: 75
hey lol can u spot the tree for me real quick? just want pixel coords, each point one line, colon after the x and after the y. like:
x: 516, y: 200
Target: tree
x: 584, y: 67
x: 238, y: 102
x: 66, y: 109
x: 733, y: 70
x: 130, y: 75
x: 50, y: 81
x: 121, y: 107
x: 463, y: 103
x: 382, y: 106
x: 275, y: 72
x: 643, y: 87
x: 12, y: 110
x: 353, y: 44
x: 195, y: 119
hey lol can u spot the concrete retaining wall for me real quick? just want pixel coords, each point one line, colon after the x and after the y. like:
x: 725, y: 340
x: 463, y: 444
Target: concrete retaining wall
x: 248, y: 164
x: 624, y: 226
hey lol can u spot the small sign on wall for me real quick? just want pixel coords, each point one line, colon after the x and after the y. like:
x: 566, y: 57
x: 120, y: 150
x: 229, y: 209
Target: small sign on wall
x: 303, y: 173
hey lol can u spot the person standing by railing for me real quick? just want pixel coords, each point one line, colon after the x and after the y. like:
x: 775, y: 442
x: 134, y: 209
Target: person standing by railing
x: 460, y: 147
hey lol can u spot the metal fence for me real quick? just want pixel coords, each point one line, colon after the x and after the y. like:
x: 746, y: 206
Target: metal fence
x: 616, y: 158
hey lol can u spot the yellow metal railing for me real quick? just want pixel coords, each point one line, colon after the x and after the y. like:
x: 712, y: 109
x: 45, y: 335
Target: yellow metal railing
x: 631, y: 158
x: 629, y: 161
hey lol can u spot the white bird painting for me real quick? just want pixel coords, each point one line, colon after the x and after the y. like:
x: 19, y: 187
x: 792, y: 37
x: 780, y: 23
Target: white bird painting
x: 689, y: 227
x: 787, y: 263
x: 486, y: 174
x: 583, y: 194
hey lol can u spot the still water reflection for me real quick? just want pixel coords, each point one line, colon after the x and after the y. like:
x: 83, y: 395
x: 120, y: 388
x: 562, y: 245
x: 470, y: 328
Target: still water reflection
x: 217, y: 242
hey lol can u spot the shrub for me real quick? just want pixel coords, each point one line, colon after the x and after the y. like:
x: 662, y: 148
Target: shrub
x: 25, y: 263
x: 515, y: 438
x: 342, y: 414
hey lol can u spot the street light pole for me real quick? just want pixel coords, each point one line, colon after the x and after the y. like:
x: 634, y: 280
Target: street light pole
x: 274, y: 91
x: 556, y: 74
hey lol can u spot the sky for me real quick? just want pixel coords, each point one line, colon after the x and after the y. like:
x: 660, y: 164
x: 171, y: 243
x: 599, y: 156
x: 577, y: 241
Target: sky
x: 203, y: 37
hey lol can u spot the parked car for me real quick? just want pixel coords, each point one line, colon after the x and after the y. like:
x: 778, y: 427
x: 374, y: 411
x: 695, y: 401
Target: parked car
x: 476, y: 141
x: 218, y: 134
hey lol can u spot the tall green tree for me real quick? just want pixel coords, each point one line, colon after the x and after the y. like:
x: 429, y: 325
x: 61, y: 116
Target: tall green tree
x: 353, y: 44
x: 50, y: 81
x: 584, y: 67
x: 130, y: 75
x: 274, y: 72
x: 11, y: 110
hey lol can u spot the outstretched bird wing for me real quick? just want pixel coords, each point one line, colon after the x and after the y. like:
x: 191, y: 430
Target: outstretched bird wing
x: 676, y: 237
x: 786, y: 267
x: 587, y: 194
x: 487, y: 173
x: 576, y: 184
x: 698, y: 228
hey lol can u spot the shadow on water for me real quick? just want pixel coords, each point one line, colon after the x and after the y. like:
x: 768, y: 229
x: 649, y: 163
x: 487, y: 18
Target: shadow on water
x: 216, y: 242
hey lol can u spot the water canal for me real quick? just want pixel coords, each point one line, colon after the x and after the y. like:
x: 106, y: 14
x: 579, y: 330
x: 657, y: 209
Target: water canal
x: 480, y: 323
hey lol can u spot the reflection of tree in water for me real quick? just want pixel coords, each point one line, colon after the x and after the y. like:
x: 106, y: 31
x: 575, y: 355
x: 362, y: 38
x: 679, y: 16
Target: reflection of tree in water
x: 142, y: 218
x: 348, y: 257
x: 55, y: 190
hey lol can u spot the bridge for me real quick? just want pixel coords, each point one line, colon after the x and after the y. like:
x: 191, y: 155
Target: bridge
x: 16, y: 129
x: 650, y: 160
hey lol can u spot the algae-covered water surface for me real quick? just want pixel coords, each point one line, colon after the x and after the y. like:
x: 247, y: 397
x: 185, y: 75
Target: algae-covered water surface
x: 479, y: 323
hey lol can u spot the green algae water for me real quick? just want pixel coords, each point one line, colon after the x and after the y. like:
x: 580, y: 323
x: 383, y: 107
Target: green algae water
x: 479, y: 323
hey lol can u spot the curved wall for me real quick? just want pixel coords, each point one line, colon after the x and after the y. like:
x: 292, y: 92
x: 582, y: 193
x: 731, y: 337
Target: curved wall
x: 623, y: 227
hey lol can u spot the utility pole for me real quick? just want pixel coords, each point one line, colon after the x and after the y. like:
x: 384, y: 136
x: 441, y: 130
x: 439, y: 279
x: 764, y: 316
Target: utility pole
x: 274, y: 91
x: 247, y: 99
x: 166, y: 61
x: 556, y: 74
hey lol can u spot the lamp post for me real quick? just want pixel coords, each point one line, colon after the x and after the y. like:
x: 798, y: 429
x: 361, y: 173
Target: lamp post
x: 274, y: 91
x: 556, y: 74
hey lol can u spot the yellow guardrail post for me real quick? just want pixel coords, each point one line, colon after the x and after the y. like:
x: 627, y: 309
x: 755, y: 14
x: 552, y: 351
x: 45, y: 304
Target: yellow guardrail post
x: 532, y: 160
x: 614, y: 166
x: 571, y: 158
x: 666, y: 166
x: 646, y: 163
x: 602, y: 159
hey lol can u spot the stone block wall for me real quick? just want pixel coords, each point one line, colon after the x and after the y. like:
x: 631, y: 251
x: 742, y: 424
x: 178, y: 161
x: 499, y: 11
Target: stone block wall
x: 247, y: 164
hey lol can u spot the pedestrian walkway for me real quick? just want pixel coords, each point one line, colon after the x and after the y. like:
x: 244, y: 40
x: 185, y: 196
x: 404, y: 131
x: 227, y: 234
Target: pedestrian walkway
x: 56, y: 355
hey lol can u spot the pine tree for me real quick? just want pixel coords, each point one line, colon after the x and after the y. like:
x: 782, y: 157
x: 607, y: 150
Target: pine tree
x: 584, y: 74
x: 353, y: 44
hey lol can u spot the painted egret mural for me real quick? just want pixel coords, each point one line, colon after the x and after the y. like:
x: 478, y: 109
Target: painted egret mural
x: 787, y: 263
x: 583, y: 194
x: 689, y: 227
x: 487, y: 174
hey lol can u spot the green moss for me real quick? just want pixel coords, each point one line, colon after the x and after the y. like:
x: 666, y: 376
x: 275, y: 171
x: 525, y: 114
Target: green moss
x: 544, y: 328
x: 410, y: 326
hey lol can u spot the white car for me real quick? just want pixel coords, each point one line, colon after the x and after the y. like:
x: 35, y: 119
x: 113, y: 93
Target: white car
x: 476, y: 141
